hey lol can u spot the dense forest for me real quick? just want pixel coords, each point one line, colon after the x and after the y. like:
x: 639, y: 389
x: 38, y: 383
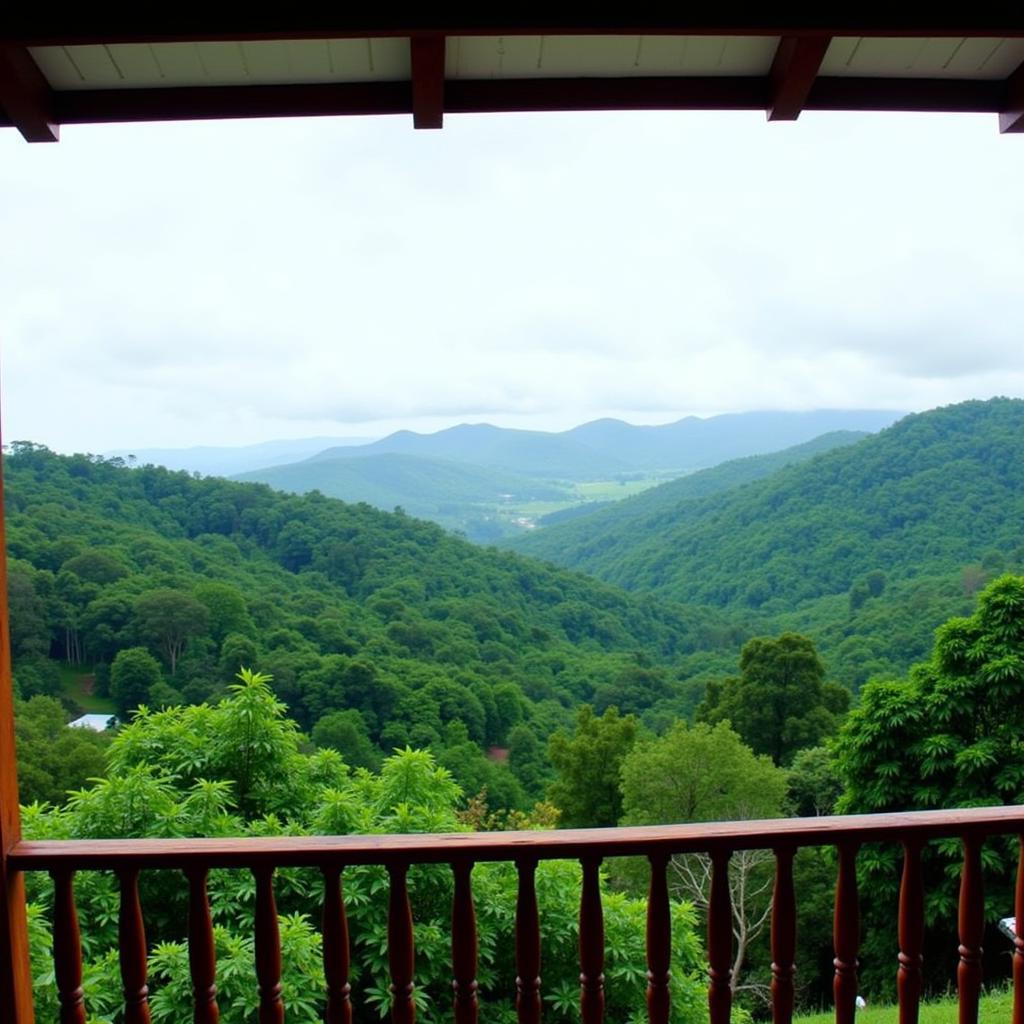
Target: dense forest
x: 397, y: 678
x: 380, y: 630
x: 866, y: 548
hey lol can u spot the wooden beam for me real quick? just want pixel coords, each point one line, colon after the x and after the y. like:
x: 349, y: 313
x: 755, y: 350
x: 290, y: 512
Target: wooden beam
x: 26, y: 96
x: 86, y: 26
x: 15, y: 974
x: 428, y: 55
x: 794, y: 69
x: 1011, y: 117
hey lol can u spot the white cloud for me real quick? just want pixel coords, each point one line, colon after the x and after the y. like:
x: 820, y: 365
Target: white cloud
x: 229, y: 282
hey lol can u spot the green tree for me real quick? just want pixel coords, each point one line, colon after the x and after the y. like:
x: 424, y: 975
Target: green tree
x: 169, y: 618
x: 586, y: 787
x: 133, y: 675
x: 780, y: 702
x: 949, y: 735
x: 707, y: 773
x: 345, y: 732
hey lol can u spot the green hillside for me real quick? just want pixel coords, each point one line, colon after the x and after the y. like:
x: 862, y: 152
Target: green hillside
x: 425, y: 638
x: 569, y: 544
x: 455, y: 494
x: 866, y: 548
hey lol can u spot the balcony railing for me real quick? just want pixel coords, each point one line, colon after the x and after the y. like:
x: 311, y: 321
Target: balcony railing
x: 331, y: 855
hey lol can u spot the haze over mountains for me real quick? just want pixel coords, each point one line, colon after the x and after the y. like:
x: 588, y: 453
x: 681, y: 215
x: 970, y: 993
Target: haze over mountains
x: 488, y: 481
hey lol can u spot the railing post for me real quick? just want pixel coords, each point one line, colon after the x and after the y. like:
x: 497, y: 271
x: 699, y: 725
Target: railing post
x: 911, y: 933
x: 1018, y: 942
x: 659, y: 942
x: 720, y: 940
x: 528, y: 998
x: 132, y: 942
x: 15, y: 972
x: 591, y: 944
x: 464, y: 951
x: 268, y: 949
x: 202, y: 956
x: 846, y: 935
x: 972, y: 927
x: 67, y: 949
x: 334, y: 928
x: 783, y: 936
x: 401, y: 946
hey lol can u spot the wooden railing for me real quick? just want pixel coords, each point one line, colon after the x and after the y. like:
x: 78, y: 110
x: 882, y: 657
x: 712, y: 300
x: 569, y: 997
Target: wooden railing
x: 195, y: 857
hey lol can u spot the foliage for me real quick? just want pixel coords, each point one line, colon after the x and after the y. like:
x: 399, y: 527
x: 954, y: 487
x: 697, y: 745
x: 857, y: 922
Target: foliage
x: 586, y: 788
x: 780, y: 702
x: 950, y: 735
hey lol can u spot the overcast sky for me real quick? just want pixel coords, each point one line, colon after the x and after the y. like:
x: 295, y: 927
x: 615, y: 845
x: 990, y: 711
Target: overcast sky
x: 232, y: 282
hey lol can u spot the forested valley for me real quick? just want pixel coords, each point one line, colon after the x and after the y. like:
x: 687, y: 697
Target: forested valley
x: 846, y: 634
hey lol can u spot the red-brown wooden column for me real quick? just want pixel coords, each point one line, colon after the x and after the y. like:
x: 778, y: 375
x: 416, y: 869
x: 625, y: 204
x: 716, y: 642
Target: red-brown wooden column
x: 972, y: 927
x: 15, y: 974
x: 846, y: 935
x: 783, y: 937
x: 911, y: 933
x: 1018, y: 942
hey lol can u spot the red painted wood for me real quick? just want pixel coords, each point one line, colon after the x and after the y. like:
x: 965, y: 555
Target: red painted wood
x: 911, y: 934
x: 268, y: 949
x: 132, y: 952
x: 591, y: 944
x: 846, y: 935
x: 659, y: 942
x: 73, y: 28
x: 67, y: 950
x: 26, y: 95
x: 528, y: 998
x: 427, y: 53
x: 1018, y: 942
x: 334, y: 927
x: 972, y: 927
x: 201, y: 954
x: 15, y: 971
x: 794, y: 69
x: 720, y: 941
x: 401, y: 947
x: 560, y: 844
x: 464, y: 946
x: 1011, y: 116
x: 783, y: 937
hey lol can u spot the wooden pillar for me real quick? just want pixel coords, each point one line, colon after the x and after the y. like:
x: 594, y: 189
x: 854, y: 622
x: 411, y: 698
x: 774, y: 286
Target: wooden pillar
x: 15, y: 975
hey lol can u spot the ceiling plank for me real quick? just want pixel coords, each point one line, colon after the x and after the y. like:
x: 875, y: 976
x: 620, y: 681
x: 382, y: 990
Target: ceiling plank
x: 428, y: 55
x: 1011, y: 117
x: 794, y: 69
x: 26, y: 96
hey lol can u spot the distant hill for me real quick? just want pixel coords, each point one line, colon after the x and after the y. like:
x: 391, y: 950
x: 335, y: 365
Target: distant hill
x: 438, y: 489
x: 211, y: 460
x: 867, y: 547
x: 604, y: 449
x: 694, y: 443
x: 570, y: 539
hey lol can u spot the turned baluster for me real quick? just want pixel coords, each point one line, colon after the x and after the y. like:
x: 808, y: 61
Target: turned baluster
x: 528, y: 1001
x: 846, y: 935
x: 972, y: 926
x: 659, y: 942
x: 783, y: 937
x: 464, y: 952
x: 268, y: 949
x: 591, y: 944
x: 132, y: 940
x: 911, y: 933
x: 336, y: 950
x: 720, y: 940
x: 1018, y: 942
x: 401, y: 946
x: 202, y: 957
x: 67, y: 949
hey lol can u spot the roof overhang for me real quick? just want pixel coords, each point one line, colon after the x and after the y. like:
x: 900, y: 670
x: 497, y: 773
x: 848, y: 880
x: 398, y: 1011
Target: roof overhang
x: 82, y: 70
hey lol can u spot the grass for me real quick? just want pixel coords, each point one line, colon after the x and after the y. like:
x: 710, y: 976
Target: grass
x: 75, y: 687
x: 996, y: 1007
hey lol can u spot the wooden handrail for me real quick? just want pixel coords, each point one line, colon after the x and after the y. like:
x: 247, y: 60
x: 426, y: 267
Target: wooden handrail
x: 567, y: 844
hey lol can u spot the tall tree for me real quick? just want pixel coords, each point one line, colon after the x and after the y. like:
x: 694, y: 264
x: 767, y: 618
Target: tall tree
x: 586, y: 789
x: 780, y: 702
x: 133, y: 675
x: 170, y: 618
